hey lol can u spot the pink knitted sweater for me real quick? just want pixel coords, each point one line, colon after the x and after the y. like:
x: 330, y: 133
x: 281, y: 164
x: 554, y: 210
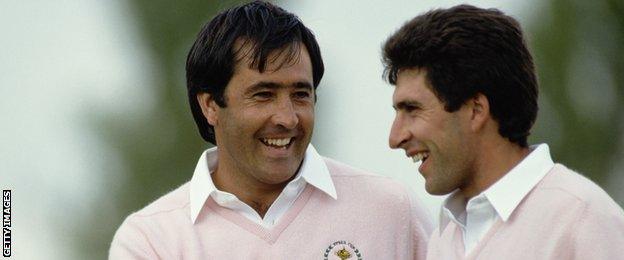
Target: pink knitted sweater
x: 373, y: 218
x: 565, y: 216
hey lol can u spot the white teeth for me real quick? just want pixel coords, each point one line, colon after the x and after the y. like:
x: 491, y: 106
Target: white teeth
x: 420, y: 156
x: 276, y: 142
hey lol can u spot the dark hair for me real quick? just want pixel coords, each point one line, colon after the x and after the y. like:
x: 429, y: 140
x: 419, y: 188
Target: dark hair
x: 258, y: 28
x: 467, y: 50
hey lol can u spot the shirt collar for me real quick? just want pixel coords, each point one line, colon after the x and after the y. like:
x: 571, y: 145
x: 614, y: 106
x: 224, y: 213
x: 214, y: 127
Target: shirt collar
x: 313, y: 171
x: 201, y: 184
x: 505, y: 194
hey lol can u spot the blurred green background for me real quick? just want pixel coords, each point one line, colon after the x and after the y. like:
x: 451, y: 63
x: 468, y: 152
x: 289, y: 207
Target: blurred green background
x: 150, y: 145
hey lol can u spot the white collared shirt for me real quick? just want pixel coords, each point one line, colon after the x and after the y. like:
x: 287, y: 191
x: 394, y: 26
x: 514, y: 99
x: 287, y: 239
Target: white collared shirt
x: 313, y: 171
x: 480, y: 213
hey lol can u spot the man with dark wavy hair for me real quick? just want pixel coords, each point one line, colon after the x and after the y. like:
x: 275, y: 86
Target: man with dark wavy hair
x: 264, y: 192
x: 466, y: 98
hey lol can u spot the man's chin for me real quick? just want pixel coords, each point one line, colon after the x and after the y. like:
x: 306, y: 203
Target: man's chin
x: 436, y: 190
x: 277, y: 180
x: 277, y: 174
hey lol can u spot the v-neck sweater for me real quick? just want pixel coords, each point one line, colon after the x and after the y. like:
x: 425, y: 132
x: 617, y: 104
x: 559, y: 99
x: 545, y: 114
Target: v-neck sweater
x: 374, y: 217
x: 565, y: 216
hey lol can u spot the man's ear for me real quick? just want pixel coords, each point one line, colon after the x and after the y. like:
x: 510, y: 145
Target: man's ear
x: 208, y: 107
x: 480, y: 111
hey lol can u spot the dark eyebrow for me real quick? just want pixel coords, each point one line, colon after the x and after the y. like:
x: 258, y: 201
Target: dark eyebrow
x: 272, y: 85
x: 408, y: 103
x: 303, y: 84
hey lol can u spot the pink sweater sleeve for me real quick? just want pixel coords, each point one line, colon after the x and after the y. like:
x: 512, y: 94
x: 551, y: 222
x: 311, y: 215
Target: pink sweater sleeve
x: 130, y: 242
x: 599, y: 233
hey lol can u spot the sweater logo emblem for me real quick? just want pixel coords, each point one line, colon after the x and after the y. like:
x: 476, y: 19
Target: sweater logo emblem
x: 342, y: 250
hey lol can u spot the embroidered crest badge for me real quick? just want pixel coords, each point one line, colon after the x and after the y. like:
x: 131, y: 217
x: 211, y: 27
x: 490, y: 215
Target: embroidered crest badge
x: 342, y: 250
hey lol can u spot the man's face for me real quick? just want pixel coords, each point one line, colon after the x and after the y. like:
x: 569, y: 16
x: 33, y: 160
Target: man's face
x: 425, y: 130
x: 267, y: 124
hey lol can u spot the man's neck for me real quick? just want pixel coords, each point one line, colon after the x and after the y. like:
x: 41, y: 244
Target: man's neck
x: 258, y: 195
x: 496, y: 158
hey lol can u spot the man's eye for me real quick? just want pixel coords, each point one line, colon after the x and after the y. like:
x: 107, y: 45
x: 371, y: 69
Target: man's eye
x: 263, y: 95
x: 409, y: 108
x: 302, y: 94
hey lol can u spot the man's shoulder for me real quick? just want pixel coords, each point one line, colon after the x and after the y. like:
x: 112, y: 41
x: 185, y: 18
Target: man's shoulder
x: 350, y: 179
x: 572, y: 204
x: 339, y: 170
x: 177, y: 199
x: 381, y: 193
x: 151, y: 225
x: 575, y: 188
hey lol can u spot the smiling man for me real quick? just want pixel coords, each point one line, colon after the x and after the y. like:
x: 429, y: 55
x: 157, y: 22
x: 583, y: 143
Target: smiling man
x: 264, y: 192
x: 466, y: 98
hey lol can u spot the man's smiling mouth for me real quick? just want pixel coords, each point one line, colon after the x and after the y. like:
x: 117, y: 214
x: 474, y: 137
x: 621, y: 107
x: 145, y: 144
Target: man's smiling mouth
x: 421, y: 156
x: 280, y: 143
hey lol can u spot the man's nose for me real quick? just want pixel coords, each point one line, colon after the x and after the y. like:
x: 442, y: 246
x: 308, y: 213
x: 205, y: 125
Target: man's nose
x: 286, y: 115
x: 398, y: 134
